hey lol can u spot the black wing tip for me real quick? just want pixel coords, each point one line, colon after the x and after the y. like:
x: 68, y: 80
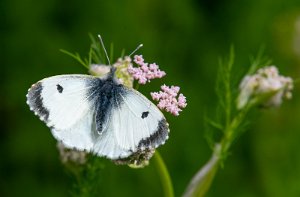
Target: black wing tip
x: 157, y: 138
x: 35, y: 101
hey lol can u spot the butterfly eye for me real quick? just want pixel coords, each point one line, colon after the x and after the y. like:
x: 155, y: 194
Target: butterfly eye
x: 59, y: 88
x: 145, y: 114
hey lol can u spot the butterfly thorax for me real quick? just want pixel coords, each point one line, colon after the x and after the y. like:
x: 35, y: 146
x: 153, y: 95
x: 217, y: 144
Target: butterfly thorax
x: 107, y: 94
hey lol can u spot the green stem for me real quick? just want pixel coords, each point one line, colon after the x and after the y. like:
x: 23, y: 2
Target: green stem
x: 164, y: 175
x: 231, y: 131
x: 201, y: 182
x: 227, y: 87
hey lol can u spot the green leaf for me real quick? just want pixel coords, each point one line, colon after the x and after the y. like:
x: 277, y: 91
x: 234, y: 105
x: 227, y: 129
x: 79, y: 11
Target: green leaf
x: 77, y: 57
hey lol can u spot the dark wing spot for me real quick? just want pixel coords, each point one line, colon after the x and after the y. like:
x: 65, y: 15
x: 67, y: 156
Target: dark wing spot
x: 145, y: 114
x: 59, y: 88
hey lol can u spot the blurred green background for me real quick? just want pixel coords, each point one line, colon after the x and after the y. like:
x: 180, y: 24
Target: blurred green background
x: 185, y: 38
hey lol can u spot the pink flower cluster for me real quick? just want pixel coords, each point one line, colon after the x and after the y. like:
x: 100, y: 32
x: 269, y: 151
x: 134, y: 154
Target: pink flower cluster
x: 168, y: 99
x: 145, y: 72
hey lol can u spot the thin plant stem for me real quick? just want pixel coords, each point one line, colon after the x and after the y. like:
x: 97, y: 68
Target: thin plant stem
x: 227, y: 87
x: 231, y: 130
x: 164, y: 175
x: 201, y: 182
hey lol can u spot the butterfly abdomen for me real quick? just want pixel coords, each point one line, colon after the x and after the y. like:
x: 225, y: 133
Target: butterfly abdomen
x: 106, y: 95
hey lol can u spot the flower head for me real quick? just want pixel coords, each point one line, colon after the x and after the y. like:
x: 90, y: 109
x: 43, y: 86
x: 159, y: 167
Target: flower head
x: 144, y: 72
x: 122, y: 73
x: 265, y: 87
x: 121, y: 66
x: 99, y: 69
x: 71, y: 155
x: 168, y: 99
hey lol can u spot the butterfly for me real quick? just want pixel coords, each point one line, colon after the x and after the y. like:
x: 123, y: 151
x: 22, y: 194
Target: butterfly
x: 98, y: 115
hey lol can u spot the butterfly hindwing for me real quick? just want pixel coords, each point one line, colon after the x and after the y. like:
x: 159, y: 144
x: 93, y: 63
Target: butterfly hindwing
x: 65, y: 104
x: 149, y: 128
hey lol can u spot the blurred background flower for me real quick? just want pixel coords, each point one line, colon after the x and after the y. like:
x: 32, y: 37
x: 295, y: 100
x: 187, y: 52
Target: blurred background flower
x: 185, y: 38
x: 265, y: 88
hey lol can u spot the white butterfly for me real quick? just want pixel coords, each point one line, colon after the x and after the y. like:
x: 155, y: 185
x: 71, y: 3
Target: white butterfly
x: 98, y: 115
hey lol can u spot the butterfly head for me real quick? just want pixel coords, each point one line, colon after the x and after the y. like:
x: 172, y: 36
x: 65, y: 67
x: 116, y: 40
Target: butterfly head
x: 111, y: 75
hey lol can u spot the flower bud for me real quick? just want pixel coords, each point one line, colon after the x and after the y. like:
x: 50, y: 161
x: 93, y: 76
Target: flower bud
x: 266, y: 87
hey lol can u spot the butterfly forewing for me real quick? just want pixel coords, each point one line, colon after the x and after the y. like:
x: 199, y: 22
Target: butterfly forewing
x: 65, y: 103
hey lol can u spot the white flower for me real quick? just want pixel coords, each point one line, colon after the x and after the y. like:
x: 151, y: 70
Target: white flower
x: 99, y: 69
x: 265, y: 87
x: 71, y: 155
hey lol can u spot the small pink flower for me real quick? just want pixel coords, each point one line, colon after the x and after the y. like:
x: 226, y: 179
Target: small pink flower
x: 182, y: 101
x: 162, y: 104
x: 168, y: 99
x: 144, y: 68
x: 176, y: 89
x: 143, y: 80
x: 153, y: 67
x: 145, y: 72
x: 155, y: 96
x: 138, y: 59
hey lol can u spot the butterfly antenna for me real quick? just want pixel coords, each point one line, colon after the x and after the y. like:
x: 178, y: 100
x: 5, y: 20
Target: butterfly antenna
x: 135, y: 50
x: 101, y: 41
